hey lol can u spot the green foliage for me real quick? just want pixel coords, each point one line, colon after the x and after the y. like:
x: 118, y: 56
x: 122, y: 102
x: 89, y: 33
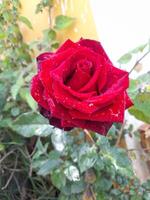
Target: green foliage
x: 140, y: 93
x: 30, y: 124
x: 63, y: 22
x: 41, y: 162
x: 26, y: 21
x: 107, y: 169
x: 126, y: 58
x: 44, y: 4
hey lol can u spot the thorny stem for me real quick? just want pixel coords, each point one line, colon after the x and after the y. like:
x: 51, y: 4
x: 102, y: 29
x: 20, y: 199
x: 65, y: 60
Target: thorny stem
x: 138, y: 61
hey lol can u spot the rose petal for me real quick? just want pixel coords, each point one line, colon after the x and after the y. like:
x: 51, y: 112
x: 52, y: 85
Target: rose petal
x: 129, y: 102
x: 111, y: 113
x: 78, y: 79
x: 102, y: 81
x: 97, y: 96
x: 78, y: 95
x: 44, y: 112
x: 99, y: 127
x: 112, y: 92
x: 95, y: 46
x: 67, y: 45
x: 70, y: 102
x: 113, y: 76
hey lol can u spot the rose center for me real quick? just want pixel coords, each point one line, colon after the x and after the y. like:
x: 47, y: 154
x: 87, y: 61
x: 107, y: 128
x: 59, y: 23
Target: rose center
x: 83, y: 70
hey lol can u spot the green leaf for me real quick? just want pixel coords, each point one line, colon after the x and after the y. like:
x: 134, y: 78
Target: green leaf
x: 26, y: 22
x: 66, y: 190
x: 142, y: 103
x: 141, y: 108
x: 16, y: 87
x: 139, y: 91
x: 72, y: 173
x: 58, y: 139
x: 87, y: 157
x: 49, y: 166
x: 55, y: 45
x: 49, y: 34
x: 145, y: 196
x: 139, y: 48
x: 25, y: 95
x: 2, y: 147
x: 40, y: 149
x: 62, y: 22
x: 7, y: 16
x: 104, y: 184
x: 139, y: 114
x: 30, y: 124
x: 125, y: 58
x: 3, y: 94
x: 101, y: 196
x: 46, y: 2
x: 133, y: 88
x: 39, y: 8
x: 5, y: 123
x: 2, y: 35
x: 103, y: 143
x: 58, y: 178
x: 137, y: 197
x: 63, y: 197
x: 138, y: 85
x: 99, y: 165
x: 77, y: 187
x: 116, y: 192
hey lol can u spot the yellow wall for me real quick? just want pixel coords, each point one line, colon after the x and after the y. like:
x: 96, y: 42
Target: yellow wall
x: 79, y: 9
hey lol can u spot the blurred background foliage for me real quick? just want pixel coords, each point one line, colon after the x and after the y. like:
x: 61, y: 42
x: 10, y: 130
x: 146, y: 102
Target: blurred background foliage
x: 40, y: 162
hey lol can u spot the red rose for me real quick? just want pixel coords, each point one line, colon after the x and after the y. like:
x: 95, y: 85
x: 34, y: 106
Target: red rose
x: 77, y: 86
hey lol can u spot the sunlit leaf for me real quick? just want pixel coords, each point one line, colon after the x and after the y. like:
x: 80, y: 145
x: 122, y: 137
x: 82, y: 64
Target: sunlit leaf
x: 26, y: 22
x: 125, y: 58
x: 58, y: 178
x: 16, y: 87
x: 30, y: 124
x: 48, y: 166
x: 139, y: 114
x: 25, y: 94
x: 72, y: 173
x: 139, y: 48
x: 62, y: 22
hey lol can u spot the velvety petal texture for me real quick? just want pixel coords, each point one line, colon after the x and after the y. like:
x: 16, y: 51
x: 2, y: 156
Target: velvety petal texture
x: 78, y: 86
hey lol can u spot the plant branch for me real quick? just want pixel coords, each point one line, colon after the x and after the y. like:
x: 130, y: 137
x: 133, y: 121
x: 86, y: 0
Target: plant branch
x: 11, y: 175
x: 145, y: 149
x: 49, y: 16
x: 6, y: 155
x: 120, y: 135
x: 88, y: 136
x: 138, y: 61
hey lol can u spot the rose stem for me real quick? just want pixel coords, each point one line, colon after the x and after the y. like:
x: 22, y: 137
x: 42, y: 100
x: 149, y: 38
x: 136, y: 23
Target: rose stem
x: 138, y: 61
